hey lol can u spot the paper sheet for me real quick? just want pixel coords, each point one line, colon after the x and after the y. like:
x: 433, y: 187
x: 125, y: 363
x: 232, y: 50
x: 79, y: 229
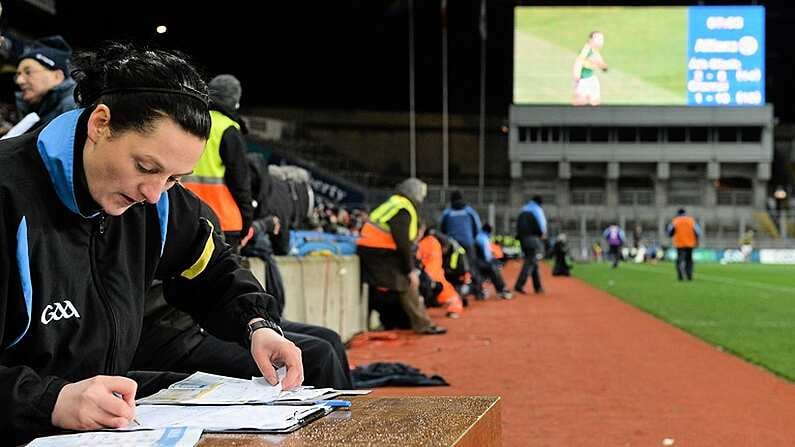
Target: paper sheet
x: 166, y: 437
x: 223, y: 417
x: 211, y: 389
x: 22, y: 126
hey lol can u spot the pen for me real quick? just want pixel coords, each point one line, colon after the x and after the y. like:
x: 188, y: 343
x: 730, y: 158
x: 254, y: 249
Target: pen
x: 333, y: 403
x: 135, y: 421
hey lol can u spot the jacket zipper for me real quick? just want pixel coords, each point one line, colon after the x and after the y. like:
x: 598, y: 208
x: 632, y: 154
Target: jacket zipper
x: 99, y: 232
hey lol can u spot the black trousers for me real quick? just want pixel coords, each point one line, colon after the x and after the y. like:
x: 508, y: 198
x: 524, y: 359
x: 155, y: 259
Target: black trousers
x: 490, y: 271
x: 324, y: 359
x: 615, y: 253
x: 684, y: 263
x: 531, y: 247
x: 477, y: 280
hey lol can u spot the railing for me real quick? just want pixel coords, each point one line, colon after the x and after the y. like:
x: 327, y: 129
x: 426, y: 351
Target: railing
x: 587, y: 197
x: 680, y: 199
x: 735, y: 198
x: 636, y: 197
x: 438, y: 195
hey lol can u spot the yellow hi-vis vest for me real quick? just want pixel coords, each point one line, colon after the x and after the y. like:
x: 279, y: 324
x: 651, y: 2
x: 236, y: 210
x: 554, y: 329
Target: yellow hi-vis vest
x: 207, y: 180
x: 376, y: 232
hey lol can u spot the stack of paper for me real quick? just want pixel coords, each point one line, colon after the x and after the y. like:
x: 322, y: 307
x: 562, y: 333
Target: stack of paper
x: 272, y: 418
x: 210, y: 389
x: 211, y: 402
x: 166, y: 437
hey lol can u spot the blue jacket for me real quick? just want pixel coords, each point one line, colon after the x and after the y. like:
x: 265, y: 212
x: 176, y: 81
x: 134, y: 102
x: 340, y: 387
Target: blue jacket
x: 531, y: 222
x: 484, y: 245
x: 462, y: 224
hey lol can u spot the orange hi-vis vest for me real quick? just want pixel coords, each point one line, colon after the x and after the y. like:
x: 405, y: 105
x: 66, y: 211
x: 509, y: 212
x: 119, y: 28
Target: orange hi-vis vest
x: 684, y: 232
x: 431, y: 255
x: 207, y: 180
x: 376, y: 232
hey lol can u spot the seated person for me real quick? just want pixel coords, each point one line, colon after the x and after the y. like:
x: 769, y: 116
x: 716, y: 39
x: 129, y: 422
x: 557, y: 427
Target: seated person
x: 430, y: 257
x: 387, y: 258
x: 487, y: 263
x: 92, y: 213
x: 172, y: 341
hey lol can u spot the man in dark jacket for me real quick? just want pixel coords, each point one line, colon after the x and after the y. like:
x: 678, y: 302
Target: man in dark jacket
x: 462, y: 223
x: 171, y: 340
x: 531, y: 229
x: 387, y: 255
x: 45, y: 87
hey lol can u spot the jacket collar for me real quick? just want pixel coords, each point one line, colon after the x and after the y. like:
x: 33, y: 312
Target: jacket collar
x: 50, y: 100
x: 56, y: 146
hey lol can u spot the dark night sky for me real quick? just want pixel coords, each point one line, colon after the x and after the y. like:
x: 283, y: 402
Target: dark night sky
x: 348, y: 54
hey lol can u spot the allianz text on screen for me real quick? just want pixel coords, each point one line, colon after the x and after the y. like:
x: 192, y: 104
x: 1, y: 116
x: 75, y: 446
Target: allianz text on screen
x: 726, y: 56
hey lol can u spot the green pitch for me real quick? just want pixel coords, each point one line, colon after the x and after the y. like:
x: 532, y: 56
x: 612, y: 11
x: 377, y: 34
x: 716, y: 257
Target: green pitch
x: 645, y: 48
x: 747, y: 309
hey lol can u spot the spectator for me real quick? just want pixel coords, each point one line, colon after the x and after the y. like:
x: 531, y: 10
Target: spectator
x: 387, y: 256
x: 487, y: 264
x: 560, y: 251
x: 531, y: 230
x: 221, y: 177
x: 747, y: 245
x: 462, y: 223
x: 43, y: 77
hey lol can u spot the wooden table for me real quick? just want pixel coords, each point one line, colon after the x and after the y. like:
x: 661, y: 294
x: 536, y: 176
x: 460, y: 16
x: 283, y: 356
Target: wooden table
x: 395, y: 421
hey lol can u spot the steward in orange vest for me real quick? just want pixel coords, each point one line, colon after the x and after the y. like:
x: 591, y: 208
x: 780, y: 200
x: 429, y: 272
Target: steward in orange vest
x: 685, y: 233
x: 221, y: 177
x: 386, y: 255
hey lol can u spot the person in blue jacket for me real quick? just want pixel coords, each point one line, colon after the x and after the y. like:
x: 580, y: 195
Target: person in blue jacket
x: 488, y: 265
x: 462, y: 223
x: 531, y: 229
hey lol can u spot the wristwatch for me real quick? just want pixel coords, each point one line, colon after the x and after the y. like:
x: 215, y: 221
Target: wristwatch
x: 259, y: 324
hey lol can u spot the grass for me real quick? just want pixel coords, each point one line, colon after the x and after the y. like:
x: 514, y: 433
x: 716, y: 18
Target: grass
x: 646, y: 49
x: 747, y: 309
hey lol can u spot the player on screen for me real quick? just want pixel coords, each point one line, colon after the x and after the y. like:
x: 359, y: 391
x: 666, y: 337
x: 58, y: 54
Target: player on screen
x: 586, y: 85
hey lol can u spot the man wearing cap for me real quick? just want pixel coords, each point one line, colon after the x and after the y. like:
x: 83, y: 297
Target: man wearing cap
x: 221, y: 177
x: 45, y: 86
x: 386, y: 254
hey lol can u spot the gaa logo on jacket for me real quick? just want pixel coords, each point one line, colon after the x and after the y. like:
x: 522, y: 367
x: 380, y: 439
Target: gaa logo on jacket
x: 58, y: 311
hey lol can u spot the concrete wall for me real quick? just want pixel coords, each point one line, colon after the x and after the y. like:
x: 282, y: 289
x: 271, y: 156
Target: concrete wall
x: 324, y: 291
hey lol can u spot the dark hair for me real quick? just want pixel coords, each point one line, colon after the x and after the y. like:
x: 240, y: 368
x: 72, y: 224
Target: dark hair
x: 537, y: 199
x: 141, y: 86
x: 487, y: 228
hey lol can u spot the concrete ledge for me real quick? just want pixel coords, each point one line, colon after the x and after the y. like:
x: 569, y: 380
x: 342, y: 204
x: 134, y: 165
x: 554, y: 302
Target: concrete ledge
x: 321, y: 290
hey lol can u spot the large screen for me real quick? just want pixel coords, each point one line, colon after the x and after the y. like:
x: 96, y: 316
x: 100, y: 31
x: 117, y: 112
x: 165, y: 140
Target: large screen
x: 699, y: 55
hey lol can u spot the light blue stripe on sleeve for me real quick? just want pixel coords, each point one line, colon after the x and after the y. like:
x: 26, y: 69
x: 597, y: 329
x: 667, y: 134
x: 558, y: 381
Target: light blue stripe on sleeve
x: 23, y: 262
x: 162, y: 215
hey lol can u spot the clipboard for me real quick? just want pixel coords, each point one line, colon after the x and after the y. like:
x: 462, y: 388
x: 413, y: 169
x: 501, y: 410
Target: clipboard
x: 301, y: 422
